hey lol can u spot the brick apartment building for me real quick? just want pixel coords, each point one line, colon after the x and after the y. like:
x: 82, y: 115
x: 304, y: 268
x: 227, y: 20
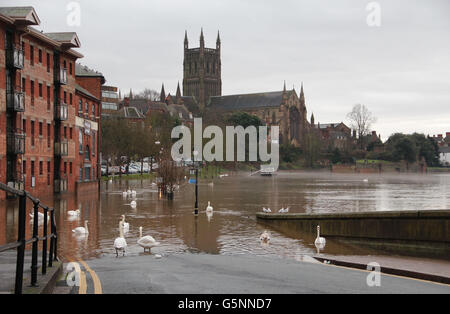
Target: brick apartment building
x: 49, y: 110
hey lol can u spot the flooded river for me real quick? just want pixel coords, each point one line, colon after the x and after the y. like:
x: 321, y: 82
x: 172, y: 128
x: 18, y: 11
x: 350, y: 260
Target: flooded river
x: 232, y: 228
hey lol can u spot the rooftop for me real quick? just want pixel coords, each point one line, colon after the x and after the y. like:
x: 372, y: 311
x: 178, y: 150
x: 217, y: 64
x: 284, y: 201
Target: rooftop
x: 246, y: 101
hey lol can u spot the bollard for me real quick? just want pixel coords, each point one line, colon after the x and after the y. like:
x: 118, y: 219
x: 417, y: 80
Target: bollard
x: 44, y: 244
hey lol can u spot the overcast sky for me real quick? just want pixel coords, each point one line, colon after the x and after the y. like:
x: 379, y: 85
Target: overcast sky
x: 400, y: 70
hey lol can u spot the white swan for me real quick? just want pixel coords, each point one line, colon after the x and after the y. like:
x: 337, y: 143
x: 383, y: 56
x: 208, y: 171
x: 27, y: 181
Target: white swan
x: 209, y: 215
x: 209, y: 208
x: 120, y: 244
x: 124, y: 194
x: 133, y: 204
x: 126, y: 225
x: 211, y: 184
x: 320, y: 241
x: 82, y: 230
x: 146, y: 242
x: 74, y: 212
x: 286, y: 210
x: 281, y: 210
x: 133, y: 192
x: 366, y: 180
x: 128, y: 192
x: 265, y: 236
x: 40, y: 216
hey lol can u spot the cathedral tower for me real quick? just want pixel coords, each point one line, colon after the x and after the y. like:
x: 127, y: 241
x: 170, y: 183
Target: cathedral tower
x: 202, y: 71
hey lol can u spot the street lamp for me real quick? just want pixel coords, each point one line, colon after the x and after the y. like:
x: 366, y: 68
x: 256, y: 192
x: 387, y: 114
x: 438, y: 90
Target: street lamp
x: 195, y: 164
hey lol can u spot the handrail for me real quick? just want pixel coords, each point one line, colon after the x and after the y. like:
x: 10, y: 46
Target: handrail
x: 22, y: 242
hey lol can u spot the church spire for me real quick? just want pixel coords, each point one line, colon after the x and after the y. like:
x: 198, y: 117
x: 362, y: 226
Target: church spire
x: 178, y: 92
x: 186, y: 41
x: 312, y: 119
x: 302, y: 96
x: 218, y: 40
x: 162, y: 96
x: 131, y: 93
x: 202, y: 39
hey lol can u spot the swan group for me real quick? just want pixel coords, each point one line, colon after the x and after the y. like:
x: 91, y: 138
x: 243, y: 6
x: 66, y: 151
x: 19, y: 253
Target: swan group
x: 120, y: 244
x: 284, y: 210
x: 82, y: 230
x: 267, y: 210
x: 147, y: 242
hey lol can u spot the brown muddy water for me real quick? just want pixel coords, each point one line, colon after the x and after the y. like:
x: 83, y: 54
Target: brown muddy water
x: 232, y: 228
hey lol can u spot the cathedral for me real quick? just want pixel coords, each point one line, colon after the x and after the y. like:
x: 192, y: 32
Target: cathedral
x: 202, y: 81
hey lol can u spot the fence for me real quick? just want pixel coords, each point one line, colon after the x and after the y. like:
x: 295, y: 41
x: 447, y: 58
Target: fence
x: 47, y: 261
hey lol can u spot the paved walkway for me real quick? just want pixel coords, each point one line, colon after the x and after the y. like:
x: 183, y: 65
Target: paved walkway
x: 205, y: 274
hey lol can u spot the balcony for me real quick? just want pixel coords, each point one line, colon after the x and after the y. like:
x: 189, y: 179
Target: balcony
x: 15, y: 101
x: 16, y: 143
x: 61, y: 76
x: 15, y: 58
x: 61, y: 148
x: 61, y: 112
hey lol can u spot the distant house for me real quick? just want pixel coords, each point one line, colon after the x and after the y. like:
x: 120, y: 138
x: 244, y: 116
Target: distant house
x: 444, y: 155
x: 337, y: 135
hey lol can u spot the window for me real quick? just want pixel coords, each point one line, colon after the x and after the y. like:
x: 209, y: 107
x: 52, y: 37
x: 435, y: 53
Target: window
x: 32, y: 92
x: 48, y: 135
x: 80, y: 174
x: 40, y: 90
x: 40, y: 128
x: 70, y: 98
x: 87, y: 107
x: 48, y: 62
x: 65, y: 132
x: 65, y: 64
x: 32, y: 133
x: 93, y: 110
x: 86, y: 153
x: 24, y: 126
x: 24, y: 167
x: 40, y: 56
x: 41, y: 171
x: 80, y: 106
x: 65, y: 167
x: 23, y: 84
x: 31, y: 55
x: 70, y: 167
x: 48, y: 98
x: 80, y: 140
x: 70, y: 68
x: 32, y: 168
x: 70, y: 132
x: 65, y: 97
x: 48, y: 167
x: 93, y: 144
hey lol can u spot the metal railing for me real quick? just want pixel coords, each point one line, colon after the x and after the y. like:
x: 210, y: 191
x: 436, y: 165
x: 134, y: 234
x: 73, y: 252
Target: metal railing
x: 22, y: 241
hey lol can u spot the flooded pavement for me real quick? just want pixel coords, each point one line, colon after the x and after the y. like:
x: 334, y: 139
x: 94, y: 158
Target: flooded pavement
x: 232, y: 228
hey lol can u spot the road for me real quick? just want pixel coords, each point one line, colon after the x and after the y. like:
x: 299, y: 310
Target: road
x: 206, y: 273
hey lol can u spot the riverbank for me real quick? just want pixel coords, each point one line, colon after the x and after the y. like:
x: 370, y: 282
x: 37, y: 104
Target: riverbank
x: 409, y: 232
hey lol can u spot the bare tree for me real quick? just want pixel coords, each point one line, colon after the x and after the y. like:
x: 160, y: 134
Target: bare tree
x: 149, y: 94
x: 361, y: 120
